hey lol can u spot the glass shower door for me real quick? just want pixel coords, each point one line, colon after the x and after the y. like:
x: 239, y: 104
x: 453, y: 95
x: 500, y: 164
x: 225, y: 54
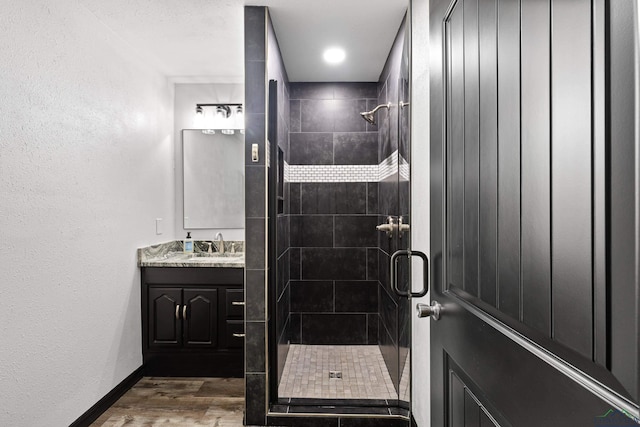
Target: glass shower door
x: 404, y: 221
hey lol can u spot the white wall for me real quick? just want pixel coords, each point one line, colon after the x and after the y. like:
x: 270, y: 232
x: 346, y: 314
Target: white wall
x: 86, y: 156
x: 420, y: 202
x: 187, y: 95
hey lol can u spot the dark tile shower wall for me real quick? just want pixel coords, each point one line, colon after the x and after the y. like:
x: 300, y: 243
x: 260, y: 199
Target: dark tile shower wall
x: 260, y: 67
x: 334, y: 243
x: 256, y: 212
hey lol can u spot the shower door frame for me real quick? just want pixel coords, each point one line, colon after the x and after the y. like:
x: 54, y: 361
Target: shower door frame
x: 272, y: 341
x: 272, y: 238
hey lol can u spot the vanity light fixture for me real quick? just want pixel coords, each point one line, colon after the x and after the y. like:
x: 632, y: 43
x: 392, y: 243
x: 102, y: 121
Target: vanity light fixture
x: 220, y: 108
x: 223, y: 111
x: 225, y: 117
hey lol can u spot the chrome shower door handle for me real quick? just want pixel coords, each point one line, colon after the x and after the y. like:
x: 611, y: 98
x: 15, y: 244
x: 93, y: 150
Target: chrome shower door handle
x: 394, y: 275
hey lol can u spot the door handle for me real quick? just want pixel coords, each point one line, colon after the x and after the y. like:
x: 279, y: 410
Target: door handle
x: 434, y: 310
x: 178, y: 312
x: 394, y: 274
x: 184, y: 312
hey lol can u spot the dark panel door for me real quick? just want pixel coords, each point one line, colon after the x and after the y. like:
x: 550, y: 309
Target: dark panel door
x: 200, y: 317
x: 165, y: 326
x: 534, y: 213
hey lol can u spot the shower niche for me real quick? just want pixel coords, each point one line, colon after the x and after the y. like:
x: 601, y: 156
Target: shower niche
x: 339, y: 167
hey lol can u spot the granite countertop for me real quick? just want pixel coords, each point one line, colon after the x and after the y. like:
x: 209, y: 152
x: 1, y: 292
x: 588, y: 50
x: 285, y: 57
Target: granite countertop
x: 170, y: 254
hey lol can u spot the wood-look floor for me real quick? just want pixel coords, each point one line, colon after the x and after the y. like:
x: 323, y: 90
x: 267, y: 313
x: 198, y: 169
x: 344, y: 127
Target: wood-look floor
x: 183, y: 402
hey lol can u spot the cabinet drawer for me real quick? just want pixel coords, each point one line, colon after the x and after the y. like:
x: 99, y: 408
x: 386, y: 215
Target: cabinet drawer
x: 235, y: 334
x: 235, y: 303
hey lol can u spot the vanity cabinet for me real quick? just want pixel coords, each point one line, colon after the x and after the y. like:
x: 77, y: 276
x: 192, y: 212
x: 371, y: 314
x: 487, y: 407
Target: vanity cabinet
x: 183, y: 317
x: 193, y: 321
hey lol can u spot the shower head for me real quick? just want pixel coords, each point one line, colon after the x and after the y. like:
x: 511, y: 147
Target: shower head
x: 369, y: 115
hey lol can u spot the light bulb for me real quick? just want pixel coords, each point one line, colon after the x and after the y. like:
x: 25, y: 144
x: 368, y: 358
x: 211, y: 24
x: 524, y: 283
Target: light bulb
x: 334, y: 55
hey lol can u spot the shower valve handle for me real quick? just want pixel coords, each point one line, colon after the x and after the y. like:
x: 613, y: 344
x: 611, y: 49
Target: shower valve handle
x: 388, y: 227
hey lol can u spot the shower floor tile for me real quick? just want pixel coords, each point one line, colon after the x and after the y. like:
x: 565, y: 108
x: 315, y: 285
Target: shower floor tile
x: 364, y: 373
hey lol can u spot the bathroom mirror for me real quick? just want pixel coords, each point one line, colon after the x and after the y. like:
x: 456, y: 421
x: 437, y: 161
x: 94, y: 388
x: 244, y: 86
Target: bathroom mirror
x: 213, y: 179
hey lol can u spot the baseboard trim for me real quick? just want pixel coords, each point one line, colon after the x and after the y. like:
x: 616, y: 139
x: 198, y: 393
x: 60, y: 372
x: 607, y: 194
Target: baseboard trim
x: 108, y: 400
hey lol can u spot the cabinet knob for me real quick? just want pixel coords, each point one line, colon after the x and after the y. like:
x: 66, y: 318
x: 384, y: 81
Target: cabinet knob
x: 184, y: 312
x: 238, y: 335
x: 177, y: 311
x: 237, y: 303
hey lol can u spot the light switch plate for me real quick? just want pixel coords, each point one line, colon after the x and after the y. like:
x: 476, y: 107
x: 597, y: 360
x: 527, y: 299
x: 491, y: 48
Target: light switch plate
x: 159, y: 226
x: 254, y: 153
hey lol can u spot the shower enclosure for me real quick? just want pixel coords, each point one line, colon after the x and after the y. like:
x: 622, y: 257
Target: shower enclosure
x: 339, y: 205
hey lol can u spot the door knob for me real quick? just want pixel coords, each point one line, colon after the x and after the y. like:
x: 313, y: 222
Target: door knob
x: 434, y: 310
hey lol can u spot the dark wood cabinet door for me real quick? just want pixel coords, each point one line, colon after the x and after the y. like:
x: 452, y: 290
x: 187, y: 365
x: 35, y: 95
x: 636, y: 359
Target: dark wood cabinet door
x: 165, y: 328
x: 200, y: 317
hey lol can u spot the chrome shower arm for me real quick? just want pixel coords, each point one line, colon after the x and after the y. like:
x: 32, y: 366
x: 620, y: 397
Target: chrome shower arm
x: 368, y: 115
x: 387, y: 105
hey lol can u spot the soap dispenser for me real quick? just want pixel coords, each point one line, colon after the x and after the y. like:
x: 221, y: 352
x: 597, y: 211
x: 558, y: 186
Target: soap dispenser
x: 188, y: 243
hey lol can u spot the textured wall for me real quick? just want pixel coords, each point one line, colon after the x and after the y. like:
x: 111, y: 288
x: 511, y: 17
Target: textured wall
x: 187, y: 95
x: 86, y: 158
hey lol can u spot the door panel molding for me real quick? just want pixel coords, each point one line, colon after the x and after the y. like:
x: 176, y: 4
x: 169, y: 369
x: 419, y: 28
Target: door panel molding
x: 578, y: 376
x: 465, y: 399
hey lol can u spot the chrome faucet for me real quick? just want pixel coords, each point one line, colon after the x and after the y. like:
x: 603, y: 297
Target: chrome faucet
x: 220, y: 244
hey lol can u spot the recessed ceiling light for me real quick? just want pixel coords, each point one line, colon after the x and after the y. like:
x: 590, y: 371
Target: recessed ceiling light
x: 334, y: 55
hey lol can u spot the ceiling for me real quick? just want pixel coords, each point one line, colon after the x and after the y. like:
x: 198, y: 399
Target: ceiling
x: 202, y: 40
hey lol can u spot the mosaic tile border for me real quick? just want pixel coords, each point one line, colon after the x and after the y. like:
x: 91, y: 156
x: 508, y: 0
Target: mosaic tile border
x: 386, y: 170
